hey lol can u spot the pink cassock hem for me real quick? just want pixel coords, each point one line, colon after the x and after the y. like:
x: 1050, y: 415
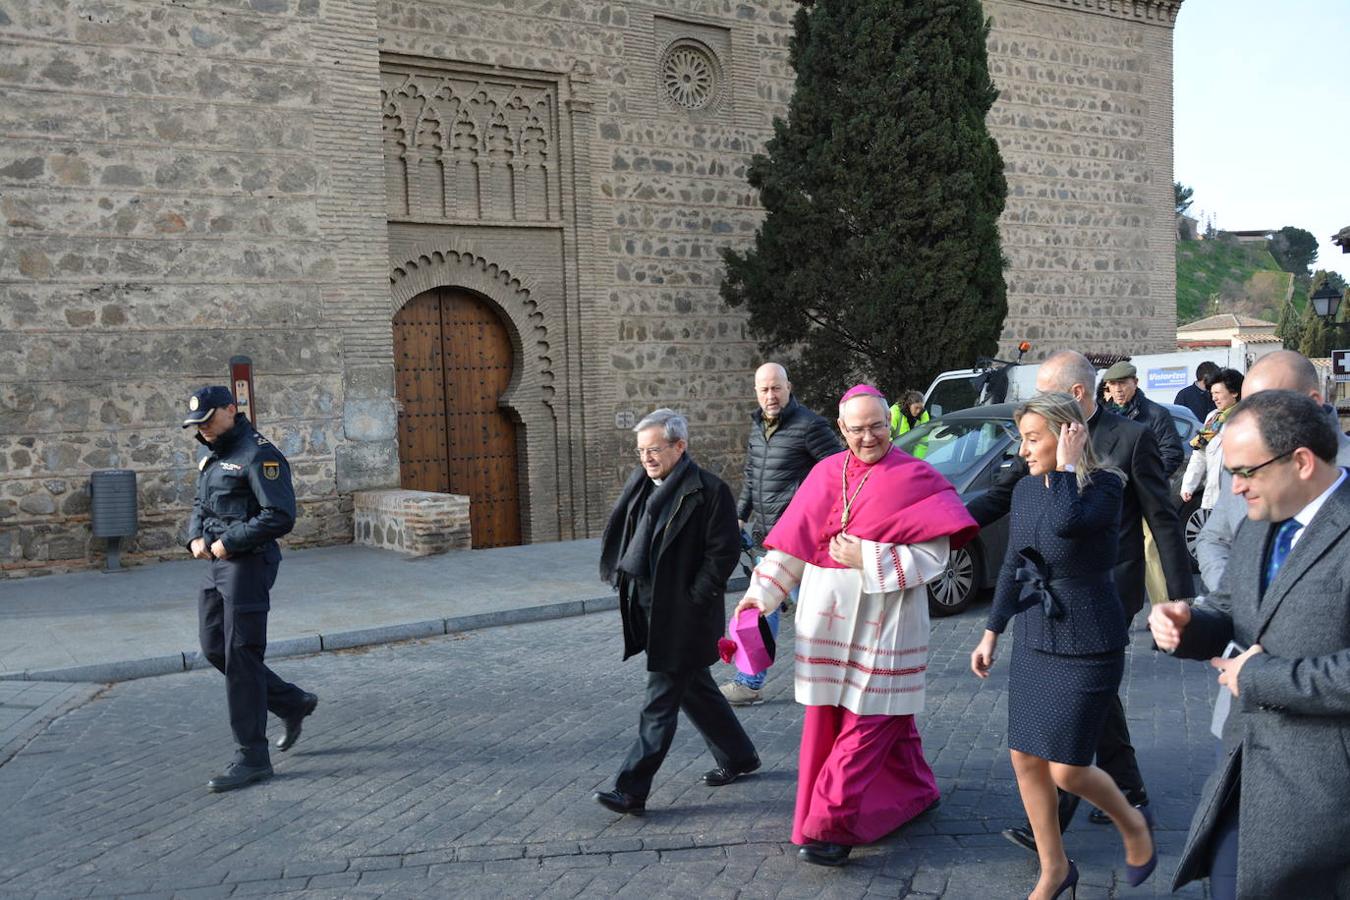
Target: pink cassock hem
x: 859, y: 777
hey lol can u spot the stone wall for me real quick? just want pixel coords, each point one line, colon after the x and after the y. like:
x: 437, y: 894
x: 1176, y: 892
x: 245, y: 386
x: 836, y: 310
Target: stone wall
x: 419, y: 523
x: 179, y: 183
x: 1084, y: 122
x: 185, y: 180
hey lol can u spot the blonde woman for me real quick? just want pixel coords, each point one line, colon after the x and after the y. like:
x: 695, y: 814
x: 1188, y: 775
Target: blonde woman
x: 1069, y: 655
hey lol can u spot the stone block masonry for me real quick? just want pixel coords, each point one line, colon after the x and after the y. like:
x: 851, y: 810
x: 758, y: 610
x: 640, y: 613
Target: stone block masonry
x: 183, y: 180
x: 419, y: 523
x: 180, y: 183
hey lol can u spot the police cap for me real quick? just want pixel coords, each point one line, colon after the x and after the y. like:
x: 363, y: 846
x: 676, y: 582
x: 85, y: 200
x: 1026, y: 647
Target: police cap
x: 205, y: 401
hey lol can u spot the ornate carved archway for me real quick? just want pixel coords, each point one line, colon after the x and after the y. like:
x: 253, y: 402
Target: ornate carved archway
x: 529, y: 397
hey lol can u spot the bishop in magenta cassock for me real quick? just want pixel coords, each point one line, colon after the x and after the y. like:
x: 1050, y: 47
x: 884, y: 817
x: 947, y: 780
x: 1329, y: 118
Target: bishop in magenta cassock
x: 864, y: 534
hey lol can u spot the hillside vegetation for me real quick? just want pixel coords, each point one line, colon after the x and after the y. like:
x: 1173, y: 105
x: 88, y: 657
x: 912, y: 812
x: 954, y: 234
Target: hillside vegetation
x: 1245, y: 276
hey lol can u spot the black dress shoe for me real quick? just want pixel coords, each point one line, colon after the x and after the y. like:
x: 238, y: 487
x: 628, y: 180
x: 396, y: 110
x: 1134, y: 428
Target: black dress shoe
x: 1021, y: 836
x: 621, y: 803
x: 287, y: 740
x: 1097, y: 817
x: 825, y: 854
x: 722, y: 775
x: 237, y: 775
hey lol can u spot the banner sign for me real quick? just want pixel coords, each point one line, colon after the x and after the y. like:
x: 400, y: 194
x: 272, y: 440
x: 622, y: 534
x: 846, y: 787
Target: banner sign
x: 1171, y: 378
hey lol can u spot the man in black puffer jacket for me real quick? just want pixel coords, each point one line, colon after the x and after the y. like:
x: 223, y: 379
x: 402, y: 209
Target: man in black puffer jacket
x: 786, y: 441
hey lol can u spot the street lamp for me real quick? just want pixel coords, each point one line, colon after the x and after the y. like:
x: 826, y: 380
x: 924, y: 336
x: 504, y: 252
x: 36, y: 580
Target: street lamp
x: 1326, y: 302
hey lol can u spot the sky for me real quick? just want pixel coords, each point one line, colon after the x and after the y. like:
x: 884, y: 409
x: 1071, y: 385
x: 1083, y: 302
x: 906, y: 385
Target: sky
x: 1262, y: 115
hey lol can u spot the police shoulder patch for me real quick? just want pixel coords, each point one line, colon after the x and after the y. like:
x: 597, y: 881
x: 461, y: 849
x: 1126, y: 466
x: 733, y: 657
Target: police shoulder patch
x: 271, y: 469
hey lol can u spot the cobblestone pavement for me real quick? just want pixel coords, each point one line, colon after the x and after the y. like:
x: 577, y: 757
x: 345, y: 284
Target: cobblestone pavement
x: 463, y: 767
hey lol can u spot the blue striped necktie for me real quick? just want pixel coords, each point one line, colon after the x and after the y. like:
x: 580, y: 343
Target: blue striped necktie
x: 1279, y: 549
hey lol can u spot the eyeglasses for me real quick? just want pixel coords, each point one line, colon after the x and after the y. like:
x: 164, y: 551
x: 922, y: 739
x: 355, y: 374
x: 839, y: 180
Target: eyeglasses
x: 1248, y: 472
x: 875, y: 428
x: 644, y: 452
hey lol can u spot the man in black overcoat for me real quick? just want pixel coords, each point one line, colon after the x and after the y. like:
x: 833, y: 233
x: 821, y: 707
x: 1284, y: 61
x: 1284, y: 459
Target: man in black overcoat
x: 671, y: 544
x: 1271, y: 819
x: 1131, y: 447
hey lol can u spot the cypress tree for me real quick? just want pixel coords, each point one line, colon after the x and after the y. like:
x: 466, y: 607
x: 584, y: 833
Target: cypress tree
x: 879, y: 254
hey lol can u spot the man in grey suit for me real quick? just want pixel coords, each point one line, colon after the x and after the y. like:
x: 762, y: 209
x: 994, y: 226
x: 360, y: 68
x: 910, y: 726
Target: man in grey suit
x: 1283, y: 370
x: 1277, y: 629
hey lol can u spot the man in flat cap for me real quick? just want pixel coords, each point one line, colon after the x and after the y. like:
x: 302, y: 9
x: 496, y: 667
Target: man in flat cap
x: 1122, y: 383
x: 244, y: 503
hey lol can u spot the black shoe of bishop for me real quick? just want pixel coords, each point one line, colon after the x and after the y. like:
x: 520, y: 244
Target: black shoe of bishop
x: 237, y: 775
x: 825, y: 854
x: 287, y: 740
x: 621, y: 803
x: 722, y: 775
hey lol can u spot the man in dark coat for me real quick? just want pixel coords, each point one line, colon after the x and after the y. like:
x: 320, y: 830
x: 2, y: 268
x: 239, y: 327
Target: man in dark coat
x: 670, y: 546
x: 786, y: 441
x: 1122, y: 382
x: 1130, y: 447
x: 1270, y: 822
x: 244, y: 503
x: 1195, y: 397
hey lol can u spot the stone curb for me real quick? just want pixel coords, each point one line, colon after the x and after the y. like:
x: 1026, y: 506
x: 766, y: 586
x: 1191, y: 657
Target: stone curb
x: 188, y: 660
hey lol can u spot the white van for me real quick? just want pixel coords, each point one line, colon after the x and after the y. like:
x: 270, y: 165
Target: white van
x: 1161, y: 375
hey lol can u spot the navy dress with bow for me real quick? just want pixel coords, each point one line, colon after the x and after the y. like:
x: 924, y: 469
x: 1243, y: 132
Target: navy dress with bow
x: 1070, y: 629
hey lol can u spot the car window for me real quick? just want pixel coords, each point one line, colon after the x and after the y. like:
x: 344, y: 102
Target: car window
x: 955, y: 448
x: 1185, y: 427
x: 951, y: 395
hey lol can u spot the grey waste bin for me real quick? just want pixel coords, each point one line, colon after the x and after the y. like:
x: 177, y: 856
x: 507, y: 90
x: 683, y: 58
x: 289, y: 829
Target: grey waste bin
x: 112, y: 510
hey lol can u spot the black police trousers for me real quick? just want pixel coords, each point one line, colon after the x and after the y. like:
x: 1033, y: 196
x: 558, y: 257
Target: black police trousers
x: 232, y: 619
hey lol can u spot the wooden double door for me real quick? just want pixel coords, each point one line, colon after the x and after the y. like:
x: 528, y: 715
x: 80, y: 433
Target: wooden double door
x: 453, y: 360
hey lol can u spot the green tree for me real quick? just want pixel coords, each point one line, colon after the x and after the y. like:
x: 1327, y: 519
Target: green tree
x: 1316, y: 340
x: 1289, y: 328
x: 1294, y: 249
x: 879, y: 253
x: 1182, y: 194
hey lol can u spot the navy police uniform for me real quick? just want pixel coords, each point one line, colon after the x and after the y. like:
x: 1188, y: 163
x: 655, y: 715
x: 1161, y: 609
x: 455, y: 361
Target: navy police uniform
x: 245, y: 501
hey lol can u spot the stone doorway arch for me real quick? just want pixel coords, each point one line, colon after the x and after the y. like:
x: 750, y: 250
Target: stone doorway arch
x: 529, y: 398
x: 453, y: 361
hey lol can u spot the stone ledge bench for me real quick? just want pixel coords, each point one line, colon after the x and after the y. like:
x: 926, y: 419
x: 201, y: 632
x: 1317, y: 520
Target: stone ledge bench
x: 416, y: 522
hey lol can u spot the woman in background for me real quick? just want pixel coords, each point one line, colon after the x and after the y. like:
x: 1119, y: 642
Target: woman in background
x: 1225, y: 387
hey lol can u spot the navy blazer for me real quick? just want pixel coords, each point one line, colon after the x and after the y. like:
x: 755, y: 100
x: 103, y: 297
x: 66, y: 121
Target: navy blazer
x: 1074, y: 538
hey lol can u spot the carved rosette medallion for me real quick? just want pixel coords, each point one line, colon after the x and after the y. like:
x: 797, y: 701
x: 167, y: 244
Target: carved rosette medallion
x: 690, y: 76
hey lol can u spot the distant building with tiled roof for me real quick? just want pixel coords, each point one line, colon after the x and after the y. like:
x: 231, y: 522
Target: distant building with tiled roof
x: 1251, y: 336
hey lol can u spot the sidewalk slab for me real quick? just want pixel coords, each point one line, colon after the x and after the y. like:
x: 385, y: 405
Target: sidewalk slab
x: 92, y: 627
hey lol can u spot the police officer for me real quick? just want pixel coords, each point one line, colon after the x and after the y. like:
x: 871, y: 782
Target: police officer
x: 244, y: 503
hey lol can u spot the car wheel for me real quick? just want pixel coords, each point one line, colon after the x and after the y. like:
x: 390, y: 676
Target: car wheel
x: 955, y: 589
x: 1193, y: 518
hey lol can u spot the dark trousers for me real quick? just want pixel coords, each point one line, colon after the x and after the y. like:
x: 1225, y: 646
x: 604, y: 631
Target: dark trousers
x: 232, y: 626
x: 1115, y: 754
x: 695, y: 692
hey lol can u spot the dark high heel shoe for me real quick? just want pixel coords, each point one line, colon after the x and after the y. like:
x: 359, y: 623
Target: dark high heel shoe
x: 1137, y: 875
x: 1070, y: 883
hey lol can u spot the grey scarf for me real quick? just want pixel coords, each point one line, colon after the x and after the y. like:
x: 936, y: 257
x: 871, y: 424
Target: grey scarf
x: 636, y: 561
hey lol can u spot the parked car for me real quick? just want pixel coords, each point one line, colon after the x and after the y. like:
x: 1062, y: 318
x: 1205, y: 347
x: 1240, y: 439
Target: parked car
x: 968, y: 447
